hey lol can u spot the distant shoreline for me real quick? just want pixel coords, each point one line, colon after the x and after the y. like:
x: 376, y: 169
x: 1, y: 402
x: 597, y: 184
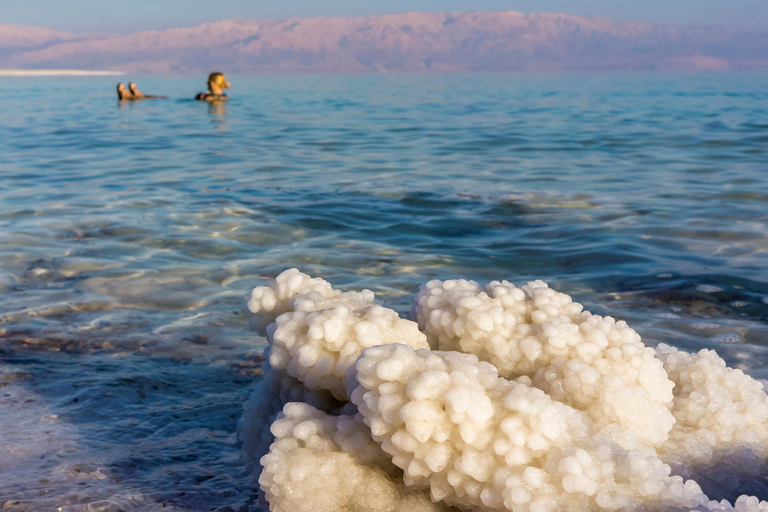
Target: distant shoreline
x: 57, y: 72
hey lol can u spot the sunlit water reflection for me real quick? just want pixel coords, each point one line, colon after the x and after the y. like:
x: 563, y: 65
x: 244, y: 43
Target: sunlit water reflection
x: 130, y: 233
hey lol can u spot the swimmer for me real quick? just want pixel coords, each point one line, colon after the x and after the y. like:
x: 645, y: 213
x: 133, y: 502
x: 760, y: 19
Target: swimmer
x: 217, y: 82
x: 138, y: 95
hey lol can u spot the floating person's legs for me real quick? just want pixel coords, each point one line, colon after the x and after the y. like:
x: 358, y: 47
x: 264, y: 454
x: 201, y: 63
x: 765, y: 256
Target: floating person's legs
x: 122, y: 93
x: 138, y: 95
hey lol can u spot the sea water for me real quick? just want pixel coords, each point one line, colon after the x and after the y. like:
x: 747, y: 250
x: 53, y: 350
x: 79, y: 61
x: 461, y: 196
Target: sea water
x: 129, y: 234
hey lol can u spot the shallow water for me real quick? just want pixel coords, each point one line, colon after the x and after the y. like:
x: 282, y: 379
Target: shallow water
x: 130, y: 233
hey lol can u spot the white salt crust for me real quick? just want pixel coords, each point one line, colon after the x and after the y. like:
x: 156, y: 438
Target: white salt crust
x: 593, y: 363
x: 478, y: 440
x: 597, y: 435
x: 275, y: 389
x: 323, y: 331
x: 722, y: 419
x: 269, y: 301
x: 720, y: 406
x: 322, y: 463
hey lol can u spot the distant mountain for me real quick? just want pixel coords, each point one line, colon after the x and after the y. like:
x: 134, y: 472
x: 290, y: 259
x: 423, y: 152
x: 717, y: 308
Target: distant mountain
x: 410, y: 42
x: 23, y: 36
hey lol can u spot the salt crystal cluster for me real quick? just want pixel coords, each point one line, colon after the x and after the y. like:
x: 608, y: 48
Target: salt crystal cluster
x: 721, y: 405
x: 322, y: 463
x: 271, y: 300
x: 721, y: 419
x: 322, y: 331
x: 593, y: 363
x: 500, y: 398
x: 481, y: 441
x: 275, y: 389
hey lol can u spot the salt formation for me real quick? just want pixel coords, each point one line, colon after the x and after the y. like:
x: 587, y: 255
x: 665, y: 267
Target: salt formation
x: 721, y: 405
x: 273, y: 299
x: 322, y: 463
x: 593, y: 363
x: 552, y: 408
x: 322, y: 331
x: 275, y: 389
x: 485, y: 442
x: 722, y: 419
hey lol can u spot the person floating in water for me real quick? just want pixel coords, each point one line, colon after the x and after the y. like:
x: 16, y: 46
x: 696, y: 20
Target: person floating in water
x: 217, y: 82
x: 138, y: 95
x: 122, y: 93
x: 132, y: 93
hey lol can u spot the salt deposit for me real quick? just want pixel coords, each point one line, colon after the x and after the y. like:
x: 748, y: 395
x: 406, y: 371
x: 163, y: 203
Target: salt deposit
x: 321, y: 331
x: 273, y: 299
x: 322, y: 463
x: 721, y: 419
x: 549, y: 407
x: 275, y: 389
x: 593, y: 363
x: 478, y: 440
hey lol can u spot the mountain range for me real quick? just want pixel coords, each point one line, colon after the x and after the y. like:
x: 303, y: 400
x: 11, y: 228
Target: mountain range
x: 408, y: 42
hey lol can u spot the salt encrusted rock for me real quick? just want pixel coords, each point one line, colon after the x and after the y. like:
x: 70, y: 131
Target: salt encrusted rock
x: 478, y: 440
x: 275, y: 389
x: 322, y: 463
x: 322, y: 331
x: 592, y: 363
x: 269, y: 301
x: 481, y: 441
x: 742, y: 504
x: 721, y: 433
x: 717, y: 404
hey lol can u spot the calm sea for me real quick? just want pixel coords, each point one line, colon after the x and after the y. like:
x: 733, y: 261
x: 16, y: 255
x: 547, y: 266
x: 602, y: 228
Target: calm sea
x: 130, y: 233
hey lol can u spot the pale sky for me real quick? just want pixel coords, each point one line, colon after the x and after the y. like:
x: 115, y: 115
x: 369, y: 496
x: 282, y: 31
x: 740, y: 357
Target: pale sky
x: 134, y: 15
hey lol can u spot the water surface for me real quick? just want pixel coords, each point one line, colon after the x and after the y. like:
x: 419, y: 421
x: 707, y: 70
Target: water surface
x: 130, y: 233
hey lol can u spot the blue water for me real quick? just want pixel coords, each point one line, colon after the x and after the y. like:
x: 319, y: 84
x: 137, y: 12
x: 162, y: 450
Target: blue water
x: 130, y: 233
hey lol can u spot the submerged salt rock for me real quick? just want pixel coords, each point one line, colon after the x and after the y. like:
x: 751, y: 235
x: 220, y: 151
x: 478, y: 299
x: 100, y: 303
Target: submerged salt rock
x: 275, y: 389
x: 481, y: 441
x: 322, y: 463
x: 323, y: 331
x: 743, y: 503
x: 592, y: 363
x: 718, y: 404
x: 722, y: 421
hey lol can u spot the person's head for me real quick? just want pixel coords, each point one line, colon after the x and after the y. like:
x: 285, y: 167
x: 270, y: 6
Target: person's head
x: 133, y: 89
x: 217, y: 82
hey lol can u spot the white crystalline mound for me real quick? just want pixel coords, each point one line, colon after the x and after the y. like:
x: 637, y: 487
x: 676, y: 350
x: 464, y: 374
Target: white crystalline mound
x: 322, y: 463
x: 481, y: 441
x: 269, y: 301
x: 587, y: 424
x: 323, y: 331
x: 593, y: 363
x: 721, y: 405
x: 275, y: 389
x: 742, y: 504
x: 722, y: 419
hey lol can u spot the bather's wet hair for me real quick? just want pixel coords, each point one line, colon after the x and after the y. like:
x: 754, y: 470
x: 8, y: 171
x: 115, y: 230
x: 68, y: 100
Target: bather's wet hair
x: 217, y: 79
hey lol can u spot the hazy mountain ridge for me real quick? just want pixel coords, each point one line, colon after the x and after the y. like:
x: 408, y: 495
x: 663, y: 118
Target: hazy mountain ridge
x: 409, y: 42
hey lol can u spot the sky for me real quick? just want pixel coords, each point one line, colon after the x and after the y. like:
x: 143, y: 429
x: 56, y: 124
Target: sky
x: 133, y: 15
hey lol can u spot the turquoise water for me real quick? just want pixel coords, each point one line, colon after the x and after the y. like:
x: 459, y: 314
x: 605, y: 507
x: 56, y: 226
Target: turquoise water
x: 130, y: 233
